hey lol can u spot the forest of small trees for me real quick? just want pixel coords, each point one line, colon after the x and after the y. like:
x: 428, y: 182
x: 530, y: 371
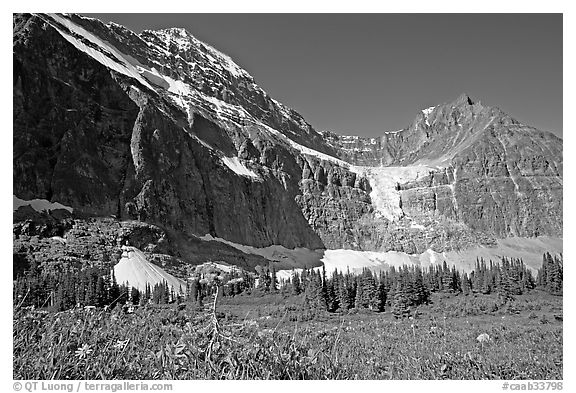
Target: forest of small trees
x: 410, y: 286
x: 397, y: 289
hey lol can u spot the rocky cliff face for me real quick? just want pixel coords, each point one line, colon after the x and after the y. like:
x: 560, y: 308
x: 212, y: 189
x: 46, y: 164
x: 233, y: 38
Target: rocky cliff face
x: 107, y: 132
x: 162, y: 129
x: 487, y: 170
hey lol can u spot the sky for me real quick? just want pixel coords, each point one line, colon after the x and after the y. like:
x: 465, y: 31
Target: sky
x: 363, y: 74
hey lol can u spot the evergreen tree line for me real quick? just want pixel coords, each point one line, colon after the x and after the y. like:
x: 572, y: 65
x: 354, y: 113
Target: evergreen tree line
x: 550, y: 275
x: 95, y: 286
x: 408, y: 287
x: 397, y: 288
x: 400, y: 289
x: 230, y: 284
x: 62, y: 290
x: 92, y: 286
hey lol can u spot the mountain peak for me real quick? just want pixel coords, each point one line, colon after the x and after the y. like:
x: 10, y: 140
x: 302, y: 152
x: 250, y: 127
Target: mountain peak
x: 463, y: 99
x: 178, y: 31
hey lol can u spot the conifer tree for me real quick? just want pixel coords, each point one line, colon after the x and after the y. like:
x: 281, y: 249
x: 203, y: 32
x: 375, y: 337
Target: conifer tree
x: 400, y: 307
x: 420, y: 293
x: 313, y: 292
x: 554, y: 279
x: 466, y: 284
x: 296, y: 285
x: 381, y: 296
x: 273, y: 279
x: 358, y: 299
x: 331, y: 297
x: 135, y: 295
x: 447, y: 278
x: 114, y: 289
x: 504, y: 287
x: 343, y: 292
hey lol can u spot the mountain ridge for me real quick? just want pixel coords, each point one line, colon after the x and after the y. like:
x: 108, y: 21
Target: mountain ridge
x: 159, y: 128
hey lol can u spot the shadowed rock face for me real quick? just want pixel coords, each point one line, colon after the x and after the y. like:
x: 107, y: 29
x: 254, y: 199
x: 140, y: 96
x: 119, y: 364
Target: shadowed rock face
x: 72, y: 122
x: 103, y: 123
x: 106, y: 144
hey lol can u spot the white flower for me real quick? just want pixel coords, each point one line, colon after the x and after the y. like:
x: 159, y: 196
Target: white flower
x: 483, y: 338
x: 83, y: 351
x: 121, y: 344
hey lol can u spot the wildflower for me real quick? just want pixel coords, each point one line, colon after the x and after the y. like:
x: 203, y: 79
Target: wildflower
x: 83, y: 351
x: 121, y: 344
x: 483, y: 338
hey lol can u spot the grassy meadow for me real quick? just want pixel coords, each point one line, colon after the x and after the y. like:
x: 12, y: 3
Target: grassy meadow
x: 272, y: 336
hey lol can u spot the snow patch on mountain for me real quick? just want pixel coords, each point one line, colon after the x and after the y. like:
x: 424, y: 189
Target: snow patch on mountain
x: 384, y: 182
x: 296, y: 257
x: 106, y: 55
x: 285, y: 275
x: 529, y: 249
x: 392, y: 132
x: 238, y: 167
x: 40, y: 205
x: 184, y: 41
x: 134, y: 269
x: 355, y: 261
x: 226, y: 268
x: 427, y: 112
x: 180, y: 92
x: 306, y: 150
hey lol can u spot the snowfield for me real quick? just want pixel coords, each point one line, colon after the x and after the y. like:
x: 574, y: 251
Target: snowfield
x: 134, y: 269
x: 298, y: 257
x: 39, y: 205
x: 530, y: 250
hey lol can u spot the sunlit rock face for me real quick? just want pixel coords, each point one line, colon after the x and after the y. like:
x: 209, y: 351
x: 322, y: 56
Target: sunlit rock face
x: 161, y: 128
x: 487, y: 170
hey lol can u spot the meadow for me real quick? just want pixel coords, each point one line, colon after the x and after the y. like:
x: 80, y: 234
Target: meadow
x: 272, y: 336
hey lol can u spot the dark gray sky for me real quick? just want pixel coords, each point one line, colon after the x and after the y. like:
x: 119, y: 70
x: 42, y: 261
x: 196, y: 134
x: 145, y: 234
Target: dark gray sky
x: 367, y: 73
